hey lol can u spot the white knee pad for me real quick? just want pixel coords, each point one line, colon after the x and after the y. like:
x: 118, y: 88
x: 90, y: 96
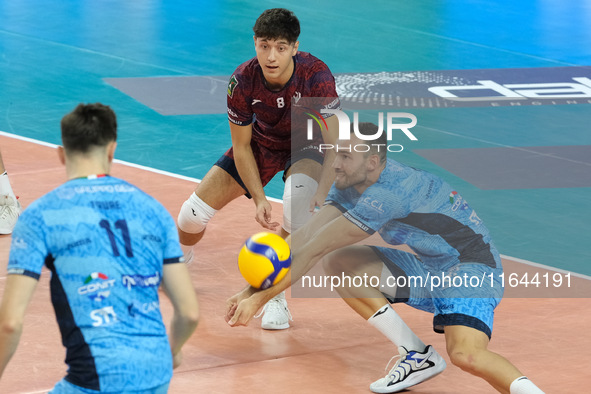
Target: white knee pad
x: 299, y: 190
x: 194, y: 215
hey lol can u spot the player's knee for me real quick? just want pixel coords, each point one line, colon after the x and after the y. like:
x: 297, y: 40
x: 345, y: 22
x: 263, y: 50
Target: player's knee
x: 466, y: 358
x: 194, y: 215
x: 299, y: 190
x: 342, y: 261
x: 332, y: 263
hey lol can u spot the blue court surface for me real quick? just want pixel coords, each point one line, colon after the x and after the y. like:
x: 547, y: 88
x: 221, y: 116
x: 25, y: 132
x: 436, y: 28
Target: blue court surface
x: 501, y: 91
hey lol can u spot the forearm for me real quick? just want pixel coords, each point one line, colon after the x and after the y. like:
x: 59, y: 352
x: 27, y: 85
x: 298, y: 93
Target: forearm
x: 9, y: 338
x: 181, y: 329
x: 249, y: 172
x: 301, y: 263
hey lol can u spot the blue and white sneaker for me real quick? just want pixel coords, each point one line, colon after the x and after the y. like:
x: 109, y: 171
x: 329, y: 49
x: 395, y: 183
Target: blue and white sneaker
x: 411, y: 368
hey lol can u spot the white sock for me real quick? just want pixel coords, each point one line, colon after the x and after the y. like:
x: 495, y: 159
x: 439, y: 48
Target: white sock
x: 5, y: 187
x: 187, y: 253
x: 523, y: 385
x: 395, y: 329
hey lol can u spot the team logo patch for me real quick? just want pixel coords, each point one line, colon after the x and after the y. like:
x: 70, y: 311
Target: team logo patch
x: 232, y: 85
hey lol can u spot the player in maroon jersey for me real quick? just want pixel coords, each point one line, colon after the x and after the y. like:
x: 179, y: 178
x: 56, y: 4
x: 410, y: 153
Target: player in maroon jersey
x: 260, y: 94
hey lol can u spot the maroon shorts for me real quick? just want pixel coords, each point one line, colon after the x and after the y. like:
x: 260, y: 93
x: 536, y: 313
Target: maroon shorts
x: 269, y: 162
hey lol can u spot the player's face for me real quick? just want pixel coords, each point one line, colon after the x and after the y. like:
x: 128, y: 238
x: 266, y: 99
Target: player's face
x: 350, y: 169
x: 275, y: 58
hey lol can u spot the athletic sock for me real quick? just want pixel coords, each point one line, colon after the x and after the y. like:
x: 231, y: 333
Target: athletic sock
x: 187, y: 253
x: 523, y: 385
x: 387, y: 321
x: 5, y: 188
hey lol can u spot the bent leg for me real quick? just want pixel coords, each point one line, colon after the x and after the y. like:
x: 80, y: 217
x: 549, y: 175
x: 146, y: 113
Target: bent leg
x: 417, y: 362
x: 356, y: 261
x: 214, y: 192
x: 467, y: 349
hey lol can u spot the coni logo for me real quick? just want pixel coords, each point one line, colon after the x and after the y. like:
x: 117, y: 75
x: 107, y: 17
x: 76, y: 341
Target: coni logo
x: 345, y: 129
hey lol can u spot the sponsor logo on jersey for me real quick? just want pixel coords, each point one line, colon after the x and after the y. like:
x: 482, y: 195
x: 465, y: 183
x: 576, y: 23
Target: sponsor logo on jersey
x: 142, y: 307
x: 105, y: 189
x: 254, y: 101
x: 19, y: 243
x: 232, y: 85
x: 104, y: 316
x: 475, y: 219
x: 151, y: 237
x: 78, y: 243
x: 130, y: 281
x: 457, y: 202
x: 97, y: 286
x: 105, y: 205
x: 357, y: 222
x: 375, y: 204
x: 334, y: 103
x: 232, y: 113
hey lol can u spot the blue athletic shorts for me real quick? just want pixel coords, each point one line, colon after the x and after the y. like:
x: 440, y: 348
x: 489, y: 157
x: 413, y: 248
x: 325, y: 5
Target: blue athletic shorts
x: 464, y: 294
x: 65, y: 387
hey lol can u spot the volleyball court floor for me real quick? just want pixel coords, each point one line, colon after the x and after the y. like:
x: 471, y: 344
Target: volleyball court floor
x: 328, y: 349
x: 163, y: 67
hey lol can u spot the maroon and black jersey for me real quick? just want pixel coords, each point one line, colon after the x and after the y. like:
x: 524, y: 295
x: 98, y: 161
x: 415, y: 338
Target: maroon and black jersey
x: 250, y: 101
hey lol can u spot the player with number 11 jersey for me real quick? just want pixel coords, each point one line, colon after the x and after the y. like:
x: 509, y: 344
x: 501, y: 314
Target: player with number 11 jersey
x: 105, y: 243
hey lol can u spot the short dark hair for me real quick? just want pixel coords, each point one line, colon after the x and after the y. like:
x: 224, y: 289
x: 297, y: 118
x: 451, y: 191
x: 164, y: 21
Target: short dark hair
x: 276, y: 23
x: 88, y: 125
x: 377, y: 147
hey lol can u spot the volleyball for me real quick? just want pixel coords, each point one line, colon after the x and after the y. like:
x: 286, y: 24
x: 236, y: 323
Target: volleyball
x: 264, y: 260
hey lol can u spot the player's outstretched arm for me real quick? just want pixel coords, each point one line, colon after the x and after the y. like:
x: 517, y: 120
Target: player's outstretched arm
x: 17, y: 294
x: 176, y: 282
x: 249, y: 173
x: 318, y: 242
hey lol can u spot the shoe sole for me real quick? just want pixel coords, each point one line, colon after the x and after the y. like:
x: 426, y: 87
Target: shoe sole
x: 405, y: 386
x: 274, y: 326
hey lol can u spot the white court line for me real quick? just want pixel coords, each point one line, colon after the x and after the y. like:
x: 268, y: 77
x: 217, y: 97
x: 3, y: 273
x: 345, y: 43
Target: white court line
x: 173, y: 175
x: 546, y: 267
x: 126, y: 163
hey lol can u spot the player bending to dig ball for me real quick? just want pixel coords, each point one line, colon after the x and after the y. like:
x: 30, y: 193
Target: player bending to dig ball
x: 373, y: 193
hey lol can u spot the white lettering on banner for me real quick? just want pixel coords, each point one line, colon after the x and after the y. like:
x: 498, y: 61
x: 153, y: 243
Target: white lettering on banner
x: 519, y: 91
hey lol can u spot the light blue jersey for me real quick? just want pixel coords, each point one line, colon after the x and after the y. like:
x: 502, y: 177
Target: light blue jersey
x: 105, y: 242
x: 416, y: 208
